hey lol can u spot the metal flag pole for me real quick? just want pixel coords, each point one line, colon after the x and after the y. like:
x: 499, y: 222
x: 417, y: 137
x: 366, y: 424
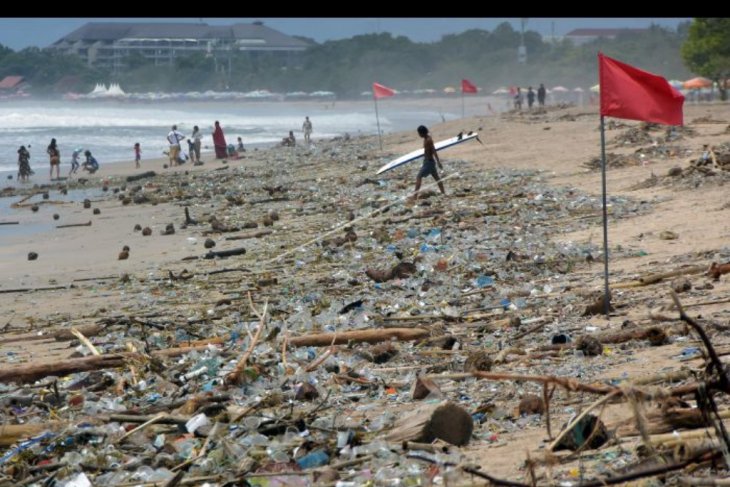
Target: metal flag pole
x: 377, y: 118
x: 606, y: 292
x: 462, y: 102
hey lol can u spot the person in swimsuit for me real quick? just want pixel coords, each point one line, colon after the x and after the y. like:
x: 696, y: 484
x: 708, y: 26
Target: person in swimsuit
x: 55, y: 158
x: 430, y: 158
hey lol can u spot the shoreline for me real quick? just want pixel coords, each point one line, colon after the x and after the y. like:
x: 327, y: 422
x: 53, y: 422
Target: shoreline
x: 110, y: 130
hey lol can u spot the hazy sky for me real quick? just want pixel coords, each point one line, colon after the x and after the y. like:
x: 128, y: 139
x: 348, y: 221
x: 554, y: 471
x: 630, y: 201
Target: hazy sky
x: 18, y: 33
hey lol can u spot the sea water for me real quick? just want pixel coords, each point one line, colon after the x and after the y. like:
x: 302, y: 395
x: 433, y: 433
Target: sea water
x: 109, y: 129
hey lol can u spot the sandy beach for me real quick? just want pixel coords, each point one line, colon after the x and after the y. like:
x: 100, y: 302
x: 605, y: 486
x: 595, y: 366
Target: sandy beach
x: 527, y: 190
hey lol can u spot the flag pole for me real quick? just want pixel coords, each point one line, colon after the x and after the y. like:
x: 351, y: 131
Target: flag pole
x: 377, y: 118
x: 606, y: 292
x: 462, y: 102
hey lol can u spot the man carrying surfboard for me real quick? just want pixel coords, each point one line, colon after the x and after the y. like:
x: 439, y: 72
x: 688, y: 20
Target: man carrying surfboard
x: 430, y: 158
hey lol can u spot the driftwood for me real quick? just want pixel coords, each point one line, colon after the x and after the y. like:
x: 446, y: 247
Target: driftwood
x: 9, y: 223
x: 144, y: 175
x: 29, y: 372
x: 245, y: 236
x: 32, y: 289
x: 11, y: 433
x: 132, y: 418
x: 58, y: 335
x: 664, y: 421
x: 574, y: 385
x: 359, y: 336
x: 87, y: 224
x: 222, y: 254
x: 224, y: 271
x: 716, y: 270
x: 445, y: 420
x: 238, y: 373
x: 188, y: 220
x: 652, y: 333
x: 703, y: 482
x: 703, y: 456
x: 659, y: 276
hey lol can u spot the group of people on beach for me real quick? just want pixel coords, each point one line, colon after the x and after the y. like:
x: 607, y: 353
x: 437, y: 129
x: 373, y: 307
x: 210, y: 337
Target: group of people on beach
x: 175, y: 153
x: 291, y: 141
x: 531, y: 95
x: 195, y: 141
x: 221, y: 148
x: 24, y: 170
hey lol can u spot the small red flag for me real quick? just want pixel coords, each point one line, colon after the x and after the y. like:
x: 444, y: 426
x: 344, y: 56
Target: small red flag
x: 628, y: 92
x: 380, y: 91
x: 468, y: 87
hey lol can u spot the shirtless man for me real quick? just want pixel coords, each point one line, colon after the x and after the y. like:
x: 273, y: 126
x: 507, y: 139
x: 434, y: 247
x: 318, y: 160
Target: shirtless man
x: 307, y: 129
x: 430, y: 158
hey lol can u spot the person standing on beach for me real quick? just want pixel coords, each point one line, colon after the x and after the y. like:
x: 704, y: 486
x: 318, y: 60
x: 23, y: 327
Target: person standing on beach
x: 541, y: 95
x: 75, y: 160
x: 530, y: 98
x: 518, y: 99
x: 174, y: 138
x: 219, y: 142
x: 24, y: 170
x: 197, y: 141
x: 307, y: 129
x: 137, y: 155
x: 430, y: 158
x: 55, y: 158
x: 240, y: 147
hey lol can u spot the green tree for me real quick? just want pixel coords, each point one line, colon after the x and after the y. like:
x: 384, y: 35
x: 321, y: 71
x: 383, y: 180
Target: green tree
x: 707, y: 50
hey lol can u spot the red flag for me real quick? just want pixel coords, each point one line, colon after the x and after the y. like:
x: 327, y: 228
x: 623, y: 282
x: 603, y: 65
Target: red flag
x: 629, y: 92
x: 468, y: 87
x: 380, y: 91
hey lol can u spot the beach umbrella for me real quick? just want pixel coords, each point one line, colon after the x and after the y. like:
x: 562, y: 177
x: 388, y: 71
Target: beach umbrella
x: 676, y: 84
x: 698, y: 82
x: 560, y: 89
x: 578, y: 90
x: 596, y: 88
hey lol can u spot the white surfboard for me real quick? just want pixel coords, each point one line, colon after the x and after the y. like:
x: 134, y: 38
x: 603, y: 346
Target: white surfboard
x: 416, y: 154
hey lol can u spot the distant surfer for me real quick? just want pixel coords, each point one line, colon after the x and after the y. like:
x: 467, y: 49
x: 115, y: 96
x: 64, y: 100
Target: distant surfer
x: 430, y: 158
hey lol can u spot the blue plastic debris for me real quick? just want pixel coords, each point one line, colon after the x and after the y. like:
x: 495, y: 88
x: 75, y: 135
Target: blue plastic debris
x: 317, y: 458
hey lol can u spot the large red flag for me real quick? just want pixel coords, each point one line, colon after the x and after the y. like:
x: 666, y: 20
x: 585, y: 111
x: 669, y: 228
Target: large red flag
x: 380, y: 91
x: 468, y: 87
x: 629, y: 92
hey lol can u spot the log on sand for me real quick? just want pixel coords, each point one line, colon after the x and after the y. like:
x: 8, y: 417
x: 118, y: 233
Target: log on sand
x: 11, y: 433
x: 29, y: 372
x: 359, y: 336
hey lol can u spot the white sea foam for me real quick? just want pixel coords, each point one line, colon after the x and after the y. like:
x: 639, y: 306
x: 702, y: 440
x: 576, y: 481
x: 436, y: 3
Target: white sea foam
x: 110, y: 129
